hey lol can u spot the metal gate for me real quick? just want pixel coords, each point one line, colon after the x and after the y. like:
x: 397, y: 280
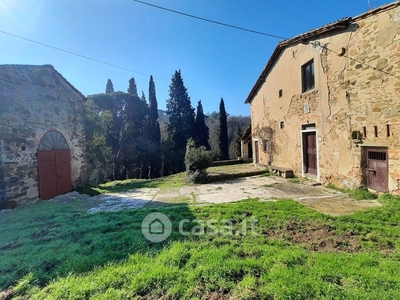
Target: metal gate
x: 377, y: 169
x: 54, y: 165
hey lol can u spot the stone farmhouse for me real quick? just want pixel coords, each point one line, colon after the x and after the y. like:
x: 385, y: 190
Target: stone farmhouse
x: 41, y: 134
x: 327, y: 104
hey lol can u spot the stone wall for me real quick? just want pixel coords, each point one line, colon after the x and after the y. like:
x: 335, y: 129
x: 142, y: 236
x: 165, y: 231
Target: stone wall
x: 35, y: 100
x: 356, y: 86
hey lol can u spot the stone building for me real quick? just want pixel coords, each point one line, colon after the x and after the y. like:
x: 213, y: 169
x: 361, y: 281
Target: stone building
x: 41, y: 134
x: 327, y: 104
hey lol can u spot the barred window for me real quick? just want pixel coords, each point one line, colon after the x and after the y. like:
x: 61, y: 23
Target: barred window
x: 266, y: 146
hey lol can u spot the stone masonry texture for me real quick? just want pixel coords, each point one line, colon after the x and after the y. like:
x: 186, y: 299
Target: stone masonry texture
x: 357, y: 90
x: 33, y: 101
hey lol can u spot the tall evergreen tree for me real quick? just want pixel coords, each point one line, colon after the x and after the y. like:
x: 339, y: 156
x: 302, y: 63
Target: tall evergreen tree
x: 154, y: 130
x: 201, y: 132
x: 223, y: 131
x: 155, y: 134
x: 181, y: 119
x: 109, y: 87
x: 237, y: 141
x: 132, y: 89
x: 143, y: 98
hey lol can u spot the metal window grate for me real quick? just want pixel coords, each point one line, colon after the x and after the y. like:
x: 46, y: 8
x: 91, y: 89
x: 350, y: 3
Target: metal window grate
x: 53, y: 140
x: 266, y: 146
x: 377, y: 155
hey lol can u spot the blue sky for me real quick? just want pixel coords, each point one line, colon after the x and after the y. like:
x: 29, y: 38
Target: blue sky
x: 215, y: 61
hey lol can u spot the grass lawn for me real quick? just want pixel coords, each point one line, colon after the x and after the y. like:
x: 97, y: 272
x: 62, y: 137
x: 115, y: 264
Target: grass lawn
x: 59, y: 251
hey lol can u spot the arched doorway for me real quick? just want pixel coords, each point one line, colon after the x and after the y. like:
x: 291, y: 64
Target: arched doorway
x: 54, y: 165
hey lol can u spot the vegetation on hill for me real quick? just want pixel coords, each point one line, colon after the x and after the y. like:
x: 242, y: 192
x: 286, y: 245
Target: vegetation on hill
x: 130, y: 138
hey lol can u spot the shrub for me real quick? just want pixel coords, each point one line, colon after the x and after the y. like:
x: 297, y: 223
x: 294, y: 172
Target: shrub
x: 197, y: 160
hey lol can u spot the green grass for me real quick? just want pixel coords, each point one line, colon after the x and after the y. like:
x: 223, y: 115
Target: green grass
x: 58, y: 251
x: 294, y: 180
x: 176, y: 180
x: 358, y: 193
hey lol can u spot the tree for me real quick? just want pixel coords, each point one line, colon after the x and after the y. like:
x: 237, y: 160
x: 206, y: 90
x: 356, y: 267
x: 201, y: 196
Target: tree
x: 237, y: 145
x: 197, y: 160
x: 143, y: 98
x: 109, y: 87
x: 201, y: 132
x: 132, y: 89
x: 223, y: 132
x: 126, y: 133
x: 154, y: 125
x: 181, y: 119
x: 154, y: 129
x: 98, y: 154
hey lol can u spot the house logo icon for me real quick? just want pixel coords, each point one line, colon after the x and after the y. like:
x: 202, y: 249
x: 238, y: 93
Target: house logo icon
x: 156, y: 227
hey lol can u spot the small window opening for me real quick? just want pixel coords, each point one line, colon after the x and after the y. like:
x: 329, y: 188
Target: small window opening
x: 387, y: 130
x: 282, y: 125
x: 364, y: 132
x: 266, y: 146
x: 376, y: 131
x: 280, y: 93
x: 377, y: 155
x: 307, y: 76
x: 23, y: 148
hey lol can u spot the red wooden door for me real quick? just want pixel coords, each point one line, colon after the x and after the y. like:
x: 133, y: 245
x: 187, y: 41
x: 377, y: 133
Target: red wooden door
x: 63, y: 163
x: 310, y: 161
x: 54, y: 173
x: 377, y: 169
x: 47, y: 171
x: 54, y: 166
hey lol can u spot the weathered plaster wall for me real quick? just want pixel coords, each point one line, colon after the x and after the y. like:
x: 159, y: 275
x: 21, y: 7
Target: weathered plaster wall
x: 34, y: 100
x: 349, y: 93
x: 269, y: 110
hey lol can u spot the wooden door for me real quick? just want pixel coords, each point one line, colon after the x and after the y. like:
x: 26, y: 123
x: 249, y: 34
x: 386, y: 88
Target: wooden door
x: 54, y: 166
x: 257, y: 152
x: 377, y: 169
x: 310, y: 153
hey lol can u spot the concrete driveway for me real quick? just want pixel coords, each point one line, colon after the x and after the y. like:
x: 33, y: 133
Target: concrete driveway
x: 266, y: 188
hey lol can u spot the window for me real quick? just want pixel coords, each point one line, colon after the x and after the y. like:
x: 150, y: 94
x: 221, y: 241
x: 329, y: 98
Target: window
x: 388, y: 130
x: 282, y: 125
x: 266, y: 146
x: 280, y: 93
x: 307, y: 76
x: 376, y: 131
x: 364, y: 132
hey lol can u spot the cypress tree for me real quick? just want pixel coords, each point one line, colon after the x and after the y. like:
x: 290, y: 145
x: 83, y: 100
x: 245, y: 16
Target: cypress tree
x: 201, y: 132
x: 155, y: 134
x: 223, y: 132
x: 180, y: 112
x: 181, y: 120
x: 132, y: 89
x: 143, y: 98
x: 237, y: 141
x: 109, y: 87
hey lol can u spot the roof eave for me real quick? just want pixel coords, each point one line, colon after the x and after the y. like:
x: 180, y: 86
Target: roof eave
x: 299, y: 39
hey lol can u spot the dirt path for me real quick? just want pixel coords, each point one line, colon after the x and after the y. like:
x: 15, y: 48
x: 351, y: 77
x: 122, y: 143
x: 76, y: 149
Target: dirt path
x: 271, y: 188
